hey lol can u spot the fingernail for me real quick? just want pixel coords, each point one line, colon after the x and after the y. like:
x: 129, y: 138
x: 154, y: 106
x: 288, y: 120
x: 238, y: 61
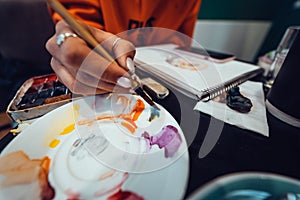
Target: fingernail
x: 130, y: 64
x: 124, y: 82
x: 131, y: 91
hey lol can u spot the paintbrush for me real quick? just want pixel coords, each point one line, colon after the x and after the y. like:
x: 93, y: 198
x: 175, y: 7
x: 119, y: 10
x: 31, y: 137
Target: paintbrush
x: 89, y: 39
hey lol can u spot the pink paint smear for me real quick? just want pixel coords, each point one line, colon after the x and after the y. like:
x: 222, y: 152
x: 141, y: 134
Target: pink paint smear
x: 168, y: 138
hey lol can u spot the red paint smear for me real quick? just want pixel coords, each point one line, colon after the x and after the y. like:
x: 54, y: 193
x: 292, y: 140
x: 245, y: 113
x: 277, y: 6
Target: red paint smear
x: 72, y: 195
x: 125, y: 195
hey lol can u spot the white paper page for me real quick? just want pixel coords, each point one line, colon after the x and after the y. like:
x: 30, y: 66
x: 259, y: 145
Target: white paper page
x: 255, y: 120
x: 186, y: 70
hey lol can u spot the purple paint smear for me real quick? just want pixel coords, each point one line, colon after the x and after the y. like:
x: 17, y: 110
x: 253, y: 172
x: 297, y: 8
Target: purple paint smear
x: 167, y: 138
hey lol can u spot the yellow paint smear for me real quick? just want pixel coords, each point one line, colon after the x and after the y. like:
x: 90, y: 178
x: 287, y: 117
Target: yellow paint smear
x: 68, y: 129
x: 76, y: 108
x: 54, y: 143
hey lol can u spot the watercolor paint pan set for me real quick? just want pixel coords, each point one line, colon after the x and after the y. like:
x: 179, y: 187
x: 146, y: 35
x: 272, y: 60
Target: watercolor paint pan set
x: 37, y: 96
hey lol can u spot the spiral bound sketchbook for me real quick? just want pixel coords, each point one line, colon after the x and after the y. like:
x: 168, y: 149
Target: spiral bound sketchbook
x: 192, y: 75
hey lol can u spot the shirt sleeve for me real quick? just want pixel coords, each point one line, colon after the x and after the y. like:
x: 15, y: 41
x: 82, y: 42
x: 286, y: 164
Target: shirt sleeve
x: 88, y: 11
x: 188, y: 25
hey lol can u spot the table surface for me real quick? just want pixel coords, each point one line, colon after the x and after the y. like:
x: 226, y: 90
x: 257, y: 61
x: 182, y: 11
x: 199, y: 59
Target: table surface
x: 237, y: 150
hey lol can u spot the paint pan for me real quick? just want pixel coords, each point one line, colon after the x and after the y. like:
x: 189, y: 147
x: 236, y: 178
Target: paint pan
x: 37, y: 96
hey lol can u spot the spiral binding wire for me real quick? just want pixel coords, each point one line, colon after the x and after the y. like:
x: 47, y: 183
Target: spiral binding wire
x: 225, y: 87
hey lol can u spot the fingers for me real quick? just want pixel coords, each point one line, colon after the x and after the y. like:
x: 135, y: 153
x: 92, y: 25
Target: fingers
x: 99, y: 67
x: 83, y: 70
x: 78, y: 84
x: 119, y: 48
x: 122, y: 50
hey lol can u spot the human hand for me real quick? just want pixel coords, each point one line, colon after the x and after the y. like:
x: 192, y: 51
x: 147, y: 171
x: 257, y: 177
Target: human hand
x: 84, y: 71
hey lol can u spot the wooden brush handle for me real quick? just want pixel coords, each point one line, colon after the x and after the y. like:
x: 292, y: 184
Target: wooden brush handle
x: 79, y: 29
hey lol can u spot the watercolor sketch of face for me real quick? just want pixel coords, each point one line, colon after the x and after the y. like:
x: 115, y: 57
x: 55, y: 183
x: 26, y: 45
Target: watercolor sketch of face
x: 180, y: 62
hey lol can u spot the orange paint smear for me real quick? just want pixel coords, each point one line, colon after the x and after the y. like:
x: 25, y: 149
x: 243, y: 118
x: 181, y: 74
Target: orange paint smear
x: 106, y: 175
x: 139, y: 107
x: 129, y: 119
x: 85, y: 122
x: 106, y: 116
x: 18, y: 169
x: 128, y: 126
x: 45, y: 164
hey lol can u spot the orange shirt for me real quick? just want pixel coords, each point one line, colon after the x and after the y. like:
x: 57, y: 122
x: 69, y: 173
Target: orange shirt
x: 117, y: 16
